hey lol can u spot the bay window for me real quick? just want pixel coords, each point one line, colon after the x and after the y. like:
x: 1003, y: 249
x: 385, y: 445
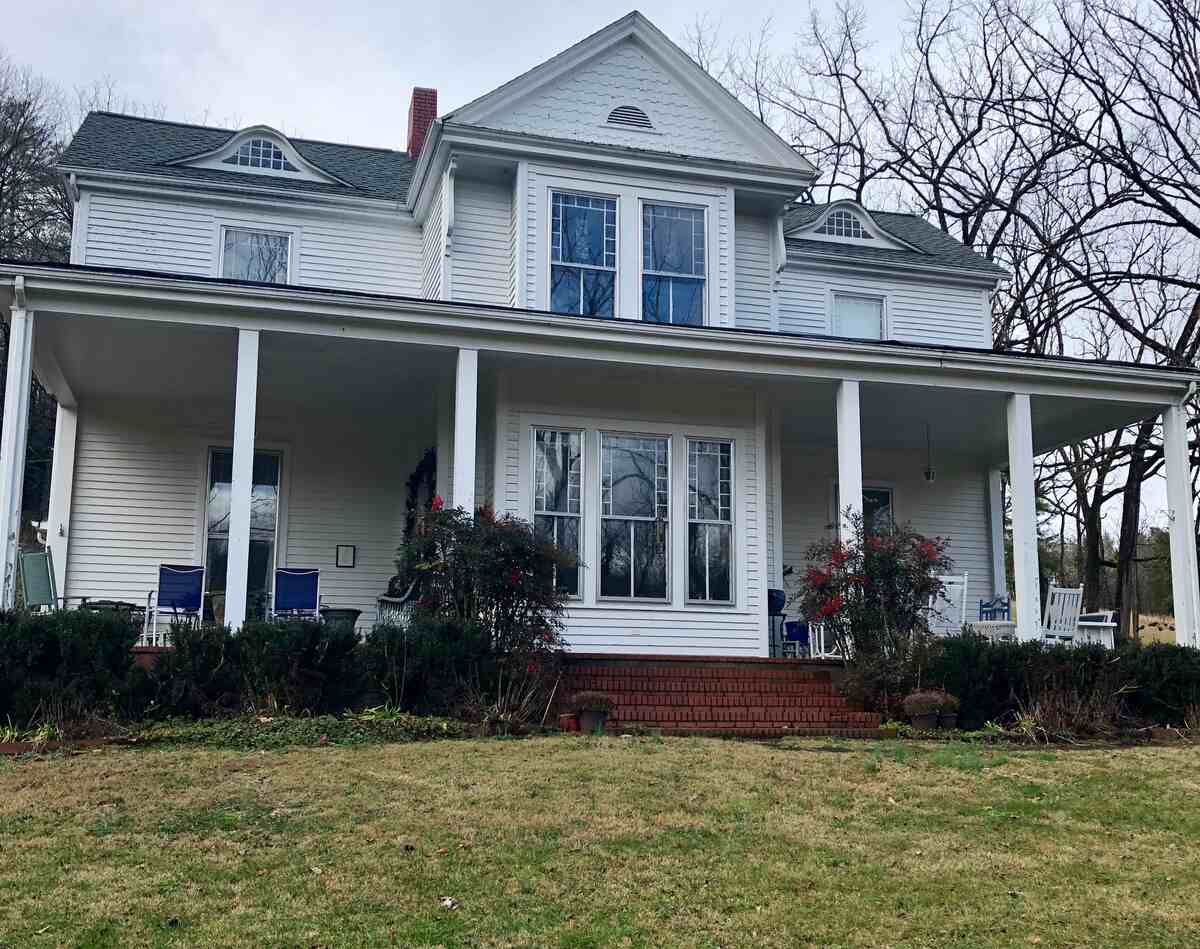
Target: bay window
x: 710, y: 520
x: 673, y: 264
x: 583, y: 254
x: 635, y: 502
x: 557, y: 496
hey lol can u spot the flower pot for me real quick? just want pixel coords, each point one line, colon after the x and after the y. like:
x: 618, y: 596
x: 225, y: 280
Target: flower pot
x: 591, y: 722
x: 926, y: 722
x: 568, y: 722
x: 948, y: 719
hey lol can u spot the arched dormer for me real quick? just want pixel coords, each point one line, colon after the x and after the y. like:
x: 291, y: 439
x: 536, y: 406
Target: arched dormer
x: 848, y: 222
x: 261, y: 150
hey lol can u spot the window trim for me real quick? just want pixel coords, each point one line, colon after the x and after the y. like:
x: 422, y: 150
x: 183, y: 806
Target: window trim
x: 290, y: 233
x: 668, y: 597
x: 834, y: 514
x: 534, y: 428
x: 883, y: 297
x: 551, y: 263
x: 643, y: 201
x: 732, y: 522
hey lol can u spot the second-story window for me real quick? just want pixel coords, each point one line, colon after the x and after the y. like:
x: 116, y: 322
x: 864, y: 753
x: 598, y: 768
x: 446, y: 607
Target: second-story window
x: 858, y: 316
x: 583, y: 254
x: 261, y: 256
x: 673, y: 253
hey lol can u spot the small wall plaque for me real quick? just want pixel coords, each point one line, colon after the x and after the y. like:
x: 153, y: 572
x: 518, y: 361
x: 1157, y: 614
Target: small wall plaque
x: 346, y: 555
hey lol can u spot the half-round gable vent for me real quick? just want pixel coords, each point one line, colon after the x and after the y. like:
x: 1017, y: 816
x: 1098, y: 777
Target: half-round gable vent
x: 630, y: 116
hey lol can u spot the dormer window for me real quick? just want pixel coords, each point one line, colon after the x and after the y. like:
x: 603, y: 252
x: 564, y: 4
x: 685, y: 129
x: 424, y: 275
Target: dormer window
x: 260, y: 153
x: 842, y: 223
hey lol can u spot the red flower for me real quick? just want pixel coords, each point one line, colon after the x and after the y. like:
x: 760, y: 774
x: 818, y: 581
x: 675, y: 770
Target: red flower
x: 437, y: 503
x: 816, y: 577
x: 874, y: 542
x: 857, y: 579
x: 928, y: 550
x: 839, y: 556
x: 831, y: 606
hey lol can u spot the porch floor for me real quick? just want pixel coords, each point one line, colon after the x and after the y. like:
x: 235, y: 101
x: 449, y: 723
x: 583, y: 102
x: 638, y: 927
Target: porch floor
x: 752, y: 698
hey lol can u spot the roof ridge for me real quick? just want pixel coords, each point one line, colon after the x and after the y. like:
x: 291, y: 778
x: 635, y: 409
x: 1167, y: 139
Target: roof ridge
x: 232, y: 132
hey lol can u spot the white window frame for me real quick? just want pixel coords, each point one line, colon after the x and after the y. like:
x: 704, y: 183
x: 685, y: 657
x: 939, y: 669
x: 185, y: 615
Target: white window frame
x: 885, y: 328
x: 257, y: 228
x: 732, y: 522
x: 643, y: 273
x: 834, y: 514
x: 669, y: 569
x: 550, y: 262
x: 583, y: 486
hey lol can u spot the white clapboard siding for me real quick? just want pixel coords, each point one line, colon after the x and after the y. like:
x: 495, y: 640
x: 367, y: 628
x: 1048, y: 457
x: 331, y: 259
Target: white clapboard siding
x: 482, y: 241
x: 139, y: 495
x: 611, y: 401
x: 752, y: 270
x: 432, y: 248
x: 372, y: 253
x: 954, y: 506
x: 920, y: 310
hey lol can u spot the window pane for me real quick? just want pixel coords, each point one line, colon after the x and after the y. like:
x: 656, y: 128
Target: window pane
x: 583, y: 230
x: 687, y: 302
x: 710, y: 480
x: 564, y: 290
x: 634, y: 477
x: 673, y: 239
x: 563, y: 532
x: 697, y: 561
x: 597, y: 297
x: 858, y: 317
x: 264, y: 517
x: 720, y: 553
x: 656, y: 299
x: 558, y: 470
x: 615, y: 558
x: 650, y: 559
x: 255, y: 255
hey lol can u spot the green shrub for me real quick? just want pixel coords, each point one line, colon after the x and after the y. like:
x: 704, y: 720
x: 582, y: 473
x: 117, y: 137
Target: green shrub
x: 303, y: 666
x: 201, y: 675
x: 263, y: 733
x: 64, y: 665
x: 423, y: 668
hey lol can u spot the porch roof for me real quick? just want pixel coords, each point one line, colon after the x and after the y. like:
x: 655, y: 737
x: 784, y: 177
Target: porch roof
x: 1079, y: 397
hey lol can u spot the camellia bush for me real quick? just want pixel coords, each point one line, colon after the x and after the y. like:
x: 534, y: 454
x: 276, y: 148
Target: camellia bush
x: 872, y: 592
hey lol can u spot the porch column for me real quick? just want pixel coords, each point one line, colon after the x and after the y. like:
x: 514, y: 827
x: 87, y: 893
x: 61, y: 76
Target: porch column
x: 1185, y: 586
x: 237, y: 569
x: 466, y: 416
x: 996, y: 531
x: 1024, y: 518
x: 849, y: 457
x: 13, y: 435
x: 62, y: 484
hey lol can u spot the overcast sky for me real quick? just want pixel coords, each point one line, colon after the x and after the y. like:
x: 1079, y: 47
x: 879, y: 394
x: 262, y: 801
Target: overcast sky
x: 337, y: 71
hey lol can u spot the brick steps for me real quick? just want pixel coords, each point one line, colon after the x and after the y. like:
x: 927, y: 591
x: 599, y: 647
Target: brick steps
x: 742, y: 697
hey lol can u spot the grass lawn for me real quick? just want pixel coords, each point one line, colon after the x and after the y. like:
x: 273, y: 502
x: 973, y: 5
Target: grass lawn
x: 577, y: 842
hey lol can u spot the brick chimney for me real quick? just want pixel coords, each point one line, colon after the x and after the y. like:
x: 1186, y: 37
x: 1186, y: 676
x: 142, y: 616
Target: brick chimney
x: 422, y: 110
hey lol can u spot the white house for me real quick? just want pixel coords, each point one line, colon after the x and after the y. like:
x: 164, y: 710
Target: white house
x: 593, y: 291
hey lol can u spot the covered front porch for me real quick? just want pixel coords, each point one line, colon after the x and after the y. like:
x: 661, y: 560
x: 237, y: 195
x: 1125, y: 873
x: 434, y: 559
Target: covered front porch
x: 247, y: 429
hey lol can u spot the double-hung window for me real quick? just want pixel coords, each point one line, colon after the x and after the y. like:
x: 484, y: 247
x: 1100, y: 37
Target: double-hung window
x: 635, y: 502
x: 262, y: 256
x: 710, y: 520
x: 857, y: 316
x: 673, y: 268
x: 583, y: 254
x: 264, y: 519
x: 557, y: 496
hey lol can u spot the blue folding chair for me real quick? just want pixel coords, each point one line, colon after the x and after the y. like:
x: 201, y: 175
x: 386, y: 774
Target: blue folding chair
x: 796, y: 642
x: 180, y: 590
x: 297, y: 592
x: 998, y: 609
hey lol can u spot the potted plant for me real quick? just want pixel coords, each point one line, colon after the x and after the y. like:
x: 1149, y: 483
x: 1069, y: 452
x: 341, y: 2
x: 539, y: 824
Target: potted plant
x: 922, y: 708
x: 948, y: 713
x: 593, y: 709
x: 568, y: 722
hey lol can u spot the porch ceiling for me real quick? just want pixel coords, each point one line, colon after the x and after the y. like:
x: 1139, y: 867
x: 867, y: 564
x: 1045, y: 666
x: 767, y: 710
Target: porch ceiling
x: 129, y: 360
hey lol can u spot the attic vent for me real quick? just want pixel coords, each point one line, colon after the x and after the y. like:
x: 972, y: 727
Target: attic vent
x: 630, y: 116
x: 844, y: 224
x: 260, y: 153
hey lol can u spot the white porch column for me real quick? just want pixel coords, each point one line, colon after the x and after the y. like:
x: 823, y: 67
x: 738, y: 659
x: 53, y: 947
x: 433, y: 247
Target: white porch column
x: 242, y: 483
x: 466, y: 423
x: 13, y: 435
x: 995, y: 489
x: 62, y: 484
x: 849, y: 457
x: 1024, y: 518
x: 443, y: 484
x: 1185, y: 585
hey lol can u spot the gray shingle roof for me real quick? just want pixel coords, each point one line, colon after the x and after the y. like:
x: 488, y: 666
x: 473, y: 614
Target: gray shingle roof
x: 936, y: 247
x: 107, y: 141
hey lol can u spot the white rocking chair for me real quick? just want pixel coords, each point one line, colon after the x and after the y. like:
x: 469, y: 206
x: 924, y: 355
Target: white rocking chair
x: 1060, y: 623
x: 948, y: 611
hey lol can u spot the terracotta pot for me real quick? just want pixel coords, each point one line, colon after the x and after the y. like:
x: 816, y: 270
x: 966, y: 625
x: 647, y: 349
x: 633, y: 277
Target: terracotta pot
x: 948, y: 719
x: 591, y: 721
x: 926, y: 722
x: 568, y: 722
